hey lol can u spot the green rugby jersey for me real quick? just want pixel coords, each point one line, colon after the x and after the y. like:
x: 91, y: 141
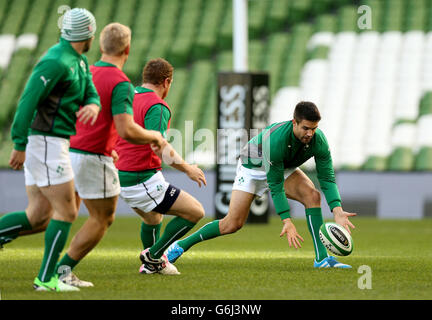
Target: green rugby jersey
x: 60, y: 83
x: 276, y: 148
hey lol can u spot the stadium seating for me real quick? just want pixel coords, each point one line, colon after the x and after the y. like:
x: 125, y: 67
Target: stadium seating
x: 373, y: 84
x: 373, y: 87
x: 207, y: 33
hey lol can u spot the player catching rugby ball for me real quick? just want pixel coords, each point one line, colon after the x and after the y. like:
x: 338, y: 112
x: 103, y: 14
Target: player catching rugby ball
x: 270, y: 161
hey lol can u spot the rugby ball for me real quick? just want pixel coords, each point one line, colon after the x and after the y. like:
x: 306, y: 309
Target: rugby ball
x: 336, y: 239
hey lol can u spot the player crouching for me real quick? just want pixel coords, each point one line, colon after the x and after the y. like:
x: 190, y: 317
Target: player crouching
x: 270, y: 161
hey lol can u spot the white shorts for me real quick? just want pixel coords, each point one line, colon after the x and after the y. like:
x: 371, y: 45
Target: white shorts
x: 47, y: 161
x: 96, y: 176
x: 254, y: 181
x: 155, y: 194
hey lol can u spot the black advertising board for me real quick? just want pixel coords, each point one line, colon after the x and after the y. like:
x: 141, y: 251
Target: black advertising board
x: 243, y: 108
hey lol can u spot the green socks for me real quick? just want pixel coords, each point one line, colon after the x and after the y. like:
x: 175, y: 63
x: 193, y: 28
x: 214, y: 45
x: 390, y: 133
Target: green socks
x: 314, y: 221
x: 206, y: 232
x: 65, y: 265
x: 11, y: 224
x: 56, y: 236
x: 150, y: 234
x: 175, y: 229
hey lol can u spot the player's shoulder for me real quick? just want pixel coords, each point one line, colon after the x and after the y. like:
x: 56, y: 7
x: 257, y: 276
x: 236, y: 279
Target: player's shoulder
x: 278, y: 133
x: 320, y: 133
x: 124, y: 86
x: 279, y: 127
x: 320, y: 142
x: 51, y: 62
x: 57, y: 52
x: 56, y: 57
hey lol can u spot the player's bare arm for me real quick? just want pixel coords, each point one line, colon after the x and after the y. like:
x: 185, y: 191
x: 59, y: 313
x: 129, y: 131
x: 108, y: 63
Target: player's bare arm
x: 133, y: 133
x: 168, y: 154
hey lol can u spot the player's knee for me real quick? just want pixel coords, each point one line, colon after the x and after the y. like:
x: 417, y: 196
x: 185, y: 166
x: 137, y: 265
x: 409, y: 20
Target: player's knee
x: 40, y: 222
x: 313, y: 198
x: 199, y: 212
x: 105, y: 219
x: 152, y: 218
x: 230, y: 225
x: 109, y: 220
x: 196, y: 213
x: 70, y: 215
x: 39, y: 216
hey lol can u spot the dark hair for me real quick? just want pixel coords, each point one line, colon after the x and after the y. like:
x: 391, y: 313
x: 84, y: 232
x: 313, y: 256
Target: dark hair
x: 306, y: 110
x: 156, y: 71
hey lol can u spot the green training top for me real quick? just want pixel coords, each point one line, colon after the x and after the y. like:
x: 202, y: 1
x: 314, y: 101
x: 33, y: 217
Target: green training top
x: 156, y: 118
x: 60, y: 83
x: 276, y: 148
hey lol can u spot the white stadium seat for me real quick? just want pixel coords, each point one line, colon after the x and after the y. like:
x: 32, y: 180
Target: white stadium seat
x: 424, y: 136
x: 26, y: 41
x: 404, y: 135
x: 369, y: 81
x: 283, y: 104
x: 320, y: 39
x: 7, y: 47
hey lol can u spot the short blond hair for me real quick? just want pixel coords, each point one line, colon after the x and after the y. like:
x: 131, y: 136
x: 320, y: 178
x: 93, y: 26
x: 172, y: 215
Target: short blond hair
x: 114, y: 39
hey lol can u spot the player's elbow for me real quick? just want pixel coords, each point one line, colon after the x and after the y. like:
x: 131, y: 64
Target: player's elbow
x: 122, y: 132
x: 127, y: 133
x: 125, y: 127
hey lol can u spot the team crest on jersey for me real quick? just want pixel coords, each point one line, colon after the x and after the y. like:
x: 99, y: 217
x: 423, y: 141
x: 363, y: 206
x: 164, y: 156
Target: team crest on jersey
x: 82, y: 65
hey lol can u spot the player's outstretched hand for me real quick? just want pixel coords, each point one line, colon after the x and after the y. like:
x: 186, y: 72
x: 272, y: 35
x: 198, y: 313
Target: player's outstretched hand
x: 88, y: 112
x: 341, y: 217
x: 196, y: 174
x: 17, y: 159
x: 291, y: 233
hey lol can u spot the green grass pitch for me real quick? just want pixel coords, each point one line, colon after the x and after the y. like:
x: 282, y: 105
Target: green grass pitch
x: 253, y: 264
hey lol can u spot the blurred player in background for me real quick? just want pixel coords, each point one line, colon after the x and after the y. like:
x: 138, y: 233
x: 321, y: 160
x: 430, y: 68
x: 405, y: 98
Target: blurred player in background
x: 270, y: 161
x: 47, y: 112
x: 96, y: 177
x: 143, y: 186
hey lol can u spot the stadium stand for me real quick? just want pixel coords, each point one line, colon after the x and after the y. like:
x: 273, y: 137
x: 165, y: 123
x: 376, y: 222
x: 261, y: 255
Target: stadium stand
x: 373, y: 86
